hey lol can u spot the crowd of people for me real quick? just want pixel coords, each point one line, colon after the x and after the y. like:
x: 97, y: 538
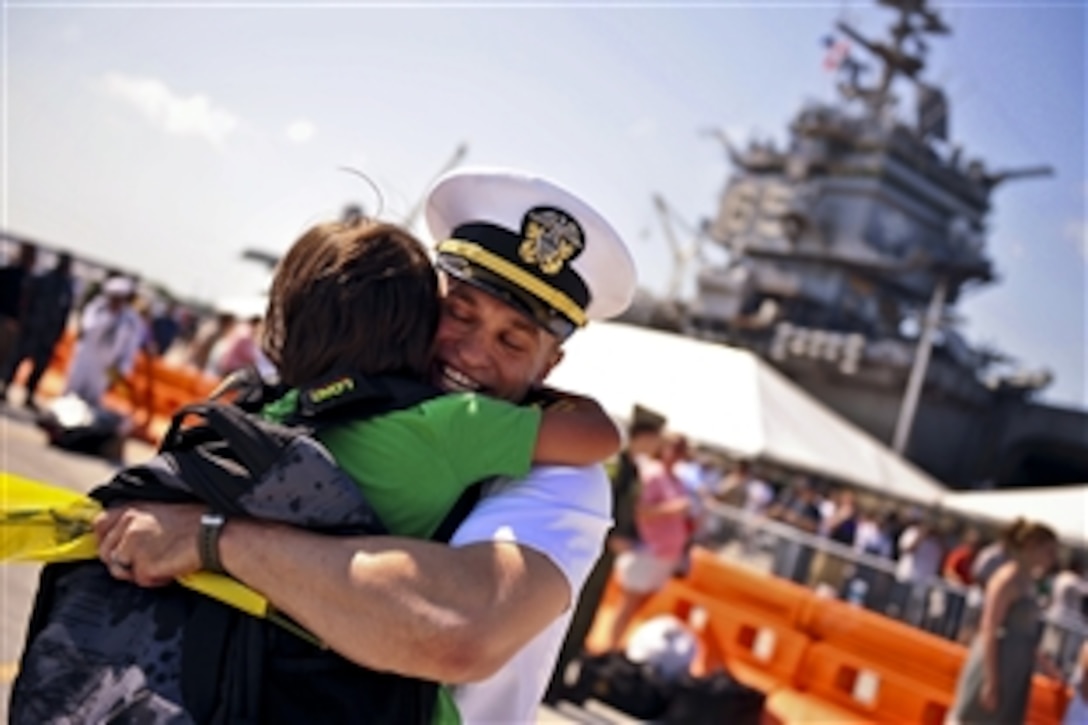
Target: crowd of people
x: 1031, y: 602
x: 112, y: 321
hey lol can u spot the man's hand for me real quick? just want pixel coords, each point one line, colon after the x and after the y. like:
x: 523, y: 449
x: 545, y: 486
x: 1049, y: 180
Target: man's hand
x: 150, y: 544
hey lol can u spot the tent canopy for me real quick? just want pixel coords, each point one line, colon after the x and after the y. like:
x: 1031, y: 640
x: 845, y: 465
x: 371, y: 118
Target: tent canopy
x: 731, y: 399
x: 1064, y: 508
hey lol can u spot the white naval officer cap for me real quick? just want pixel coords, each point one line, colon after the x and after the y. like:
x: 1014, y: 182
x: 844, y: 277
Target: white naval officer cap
x: 119, y: 286
x: 531, y: 243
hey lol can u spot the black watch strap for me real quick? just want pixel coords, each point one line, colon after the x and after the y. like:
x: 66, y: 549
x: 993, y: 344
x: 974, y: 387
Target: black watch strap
x: 211, y: 526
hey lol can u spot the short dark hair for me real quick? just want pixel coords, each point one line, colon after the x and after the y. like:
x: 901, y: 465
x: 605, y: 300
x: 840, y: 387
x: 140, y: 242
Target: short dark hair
x: 643, y: 427
x: 645, y: 422
x: 359, y: 296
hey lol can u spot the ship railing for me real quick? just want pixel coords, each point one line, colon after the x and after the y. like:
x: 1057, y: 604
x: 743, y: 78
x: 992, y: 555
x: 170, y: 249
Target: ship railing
x: 947, y: 609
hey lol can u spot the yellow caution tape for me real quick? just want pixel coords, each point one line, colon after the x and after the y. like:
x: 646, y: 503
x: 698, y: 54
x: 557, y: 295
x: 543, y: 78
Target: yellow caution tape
x: 44, y: 523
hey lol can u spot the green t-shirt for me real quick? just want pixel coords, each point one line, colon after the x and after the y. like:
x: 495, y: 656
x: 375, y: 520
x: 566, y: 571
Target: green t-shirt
x: 413, y: 464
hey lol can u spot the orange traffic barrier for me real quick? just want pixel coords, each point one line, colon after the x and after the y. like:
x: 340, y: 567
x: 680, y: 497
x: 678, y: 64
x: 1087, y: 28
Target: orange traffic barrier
x: 162, y: 389
x: 883, y: 641
x: 758, y: 649
x: 150, y: 395
x: 1048, y: 701
x: 817, y: 659
x: 853, y: 684
x: 597, y: 638
x: 922, y: 657
x: 733, y: 582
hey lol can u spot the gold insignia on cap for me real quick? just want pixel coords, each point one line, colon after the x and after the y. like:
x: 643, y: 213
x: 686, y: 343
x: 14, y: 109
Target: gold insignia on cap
x: 550, y: 237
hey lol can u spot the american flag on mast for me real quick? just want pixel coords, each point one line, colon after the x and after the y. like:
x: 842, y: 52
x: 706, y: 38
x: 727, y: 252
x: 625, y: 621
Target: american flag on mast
x: 838, y: 51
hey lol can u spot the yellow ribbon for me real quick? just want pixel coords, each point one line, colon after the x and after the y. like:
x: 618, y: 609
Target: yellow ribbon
x: 44, y: 523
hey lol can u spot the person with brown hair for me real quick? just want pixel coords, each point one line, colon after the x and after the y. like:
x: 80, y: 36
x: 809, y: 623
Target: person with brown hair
x: 415, y: 463
x: 995, y: 682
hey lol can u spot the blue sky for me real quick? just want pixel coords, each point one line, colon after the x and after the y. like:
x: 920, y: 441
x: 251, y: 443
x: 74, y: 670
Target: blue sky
x: 167, y: 138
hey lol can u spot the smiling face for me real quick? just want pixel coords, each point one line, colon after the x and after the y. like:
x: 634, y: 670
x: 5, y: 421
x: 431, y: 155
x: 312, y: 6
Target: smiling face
x: 485, y: 345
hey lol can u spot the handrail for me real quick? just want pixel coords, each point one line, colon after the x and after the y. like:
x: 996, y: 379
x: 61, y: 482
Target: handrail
x: 944, y: 608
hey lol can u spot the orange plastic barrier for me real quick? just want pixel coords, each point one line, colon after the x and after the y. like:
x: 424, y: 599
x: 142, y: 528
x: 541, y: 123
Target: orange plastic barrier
x: 729, y: 582
x: 151, y: 394
x: 596, y: 639
x: 161, y: 388
x: 819, y: 660
x: 1048, y: 701
x: 883, y: 641
x: 921, y: 656
x: 853, y: 684
x: 761, y: 651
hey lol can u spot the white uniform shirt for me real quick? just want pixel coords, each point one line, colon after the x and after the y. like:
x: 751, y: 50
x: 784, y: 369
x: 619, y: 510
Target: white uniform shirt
x: 1067, y: 594
x: 758, y: 495
x: 109, y: 339
x: 563, y: 513
x: 921, y: 563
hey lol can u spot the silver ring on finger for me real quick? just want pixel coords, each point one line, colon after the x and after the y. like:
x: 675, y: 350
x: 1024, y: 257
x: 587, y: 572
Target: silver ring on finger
x: 115, y: 561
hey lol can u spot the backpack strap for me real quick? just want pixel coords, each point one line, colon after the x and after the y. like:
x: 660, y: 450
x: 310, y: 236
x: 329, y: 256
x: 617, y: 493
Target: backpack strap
x: 256, y: 447
x: 350, y: 396
x: 460, y: 510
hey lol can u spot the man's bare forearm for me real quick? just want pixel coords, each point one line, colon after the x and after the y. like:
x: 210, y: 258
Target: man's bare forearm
x: 408, y: 606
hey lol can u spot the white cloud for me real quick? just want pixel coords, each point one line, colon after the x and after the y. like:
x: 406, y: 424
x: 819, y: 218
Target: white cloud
x: 171, y: 112
x: 644, y: 127
x: 300, y: 131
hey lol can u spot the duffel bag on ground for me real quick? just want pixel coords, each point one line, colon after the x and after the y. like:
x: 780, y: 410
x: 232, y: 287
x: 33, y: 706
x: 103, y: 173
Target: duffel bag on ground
x: 714, y: 699
x: 618, y: 682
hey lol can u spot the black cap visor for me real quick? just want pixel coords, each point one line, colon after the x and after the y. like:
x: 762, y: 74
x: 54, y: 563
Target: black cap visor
x: 499, y: 287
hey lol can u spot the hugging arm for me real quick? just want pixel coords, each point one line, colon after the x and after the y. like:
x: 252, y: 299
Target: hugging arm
x: 410, y: 606
x: 575, y: 431
x: 403, y: 605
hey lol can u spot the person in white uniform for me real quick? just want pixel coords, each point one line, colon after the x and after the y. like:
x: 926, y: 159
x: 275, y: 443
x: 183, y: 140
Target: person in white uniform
x: 108, y: 340
x: 527, y: 264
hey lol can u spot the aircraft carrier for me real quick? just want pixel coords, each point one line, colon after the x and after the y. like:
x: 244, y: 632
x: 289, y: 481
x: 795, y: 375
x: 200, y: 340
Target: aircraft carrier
x: 847, y: 251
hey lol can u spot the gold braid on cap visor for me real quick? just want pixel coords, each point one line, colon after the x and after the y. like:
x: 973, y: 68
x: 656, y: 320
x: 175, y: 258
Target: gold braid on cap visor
x: 476, y: 254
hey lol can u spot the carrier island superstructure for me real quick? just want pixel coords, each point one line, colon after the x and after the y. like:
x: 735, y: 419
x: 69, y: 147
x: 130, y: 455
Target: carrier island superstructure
x: 848, y: 250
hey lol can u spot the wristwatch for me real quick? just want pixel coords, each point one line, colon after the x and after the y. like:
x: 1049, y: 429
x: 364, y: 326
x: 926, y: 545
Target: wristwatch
x: 211, y: 526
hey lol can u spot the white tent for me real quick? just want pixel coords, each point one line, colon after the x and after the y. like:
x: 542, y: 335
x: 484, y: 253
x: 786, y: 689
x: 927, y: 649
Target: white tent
x: 1063, y: 508
x: 731, y: 399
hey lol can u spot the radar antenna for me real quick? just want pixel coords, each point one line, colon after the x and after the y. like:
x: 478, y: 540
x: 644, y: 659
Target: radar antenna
x: 915, y: 21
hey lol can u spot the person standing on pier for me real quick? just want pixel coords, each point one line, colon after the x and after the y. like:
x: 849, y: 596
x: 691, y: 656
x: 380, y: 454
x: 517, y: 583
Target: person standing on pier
x: 995, y: 682
x: 48, y: 304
